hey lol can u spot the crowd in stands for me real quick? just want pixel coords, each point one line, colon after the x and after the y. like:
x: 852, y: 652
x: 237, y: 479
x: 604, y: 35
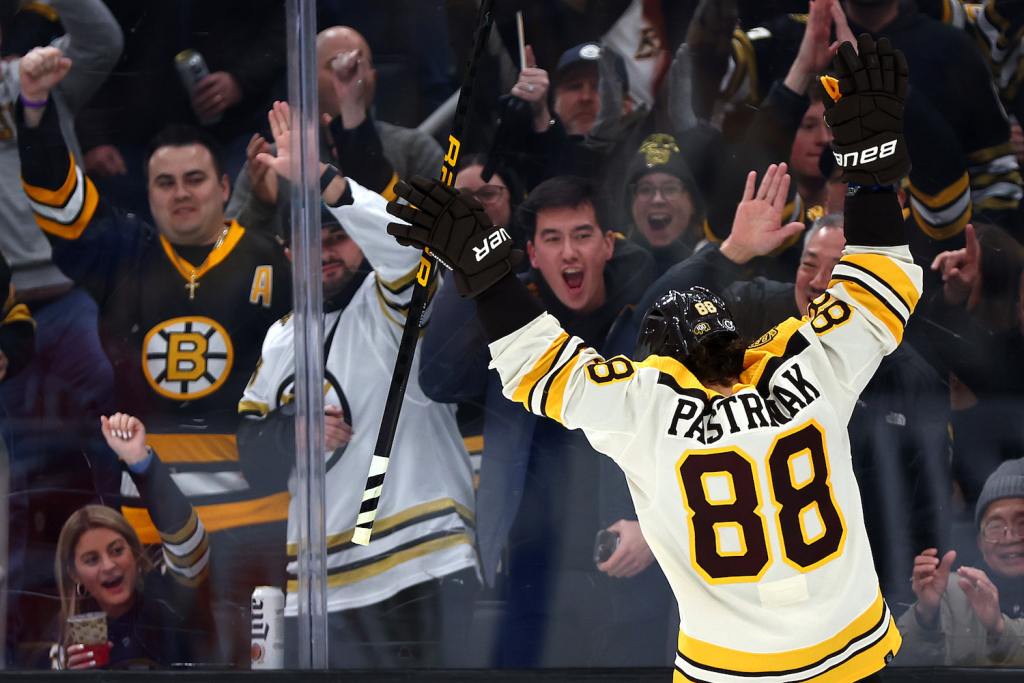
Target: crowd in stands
x: 147, y: 343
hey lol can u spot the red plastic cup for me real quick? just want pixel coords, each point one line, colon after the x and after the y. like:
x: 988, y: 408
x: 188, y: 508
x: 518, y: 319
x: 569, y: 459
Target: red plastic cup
x: 100, y: 653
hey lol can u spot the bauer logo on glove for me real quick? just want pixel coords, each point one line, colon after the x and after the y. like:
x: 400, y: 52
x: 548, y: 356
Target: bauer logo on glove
x: 456, y: 230
x: 866, y: 155
x: 864, y: 110
x: 489, y: 242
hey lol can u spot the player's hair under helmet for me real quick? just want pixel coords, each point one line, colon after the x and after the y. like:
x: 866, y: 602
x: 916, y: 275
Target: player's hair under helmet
x: 679, y: 322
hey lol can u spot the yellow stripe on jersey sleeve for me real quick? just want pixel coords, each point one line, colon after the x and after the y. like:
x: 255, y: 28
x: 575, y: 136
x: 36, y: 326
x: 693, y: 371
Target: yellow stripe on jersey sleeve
x: 946, y: 231
x: 19, y: 313
x: 944, y: 196
x: 541, y: 368
x: 874, y: 306
x: 944, y: 214
x: 55, y: 197
x: 888, y: 270
x: 399, y: 285
x: 247, y: 407
x: 194, y: 447
x: 987, y: 154
x: 273, y: 508
x: 556, y: 394
x: 389, y: 190
x: 74, y: 228
x: 184, y: 533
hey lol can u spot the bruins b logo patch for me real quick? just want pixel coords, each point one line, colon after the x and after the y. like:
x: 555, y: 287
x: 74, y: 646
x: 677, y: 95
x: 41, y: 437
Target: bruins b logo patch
x: 187, y: 358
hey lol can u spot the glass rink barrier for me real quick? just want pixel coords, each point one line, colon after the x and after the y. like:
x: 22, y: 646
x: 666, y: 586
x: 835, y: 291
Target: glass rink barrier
x: 710, y: 370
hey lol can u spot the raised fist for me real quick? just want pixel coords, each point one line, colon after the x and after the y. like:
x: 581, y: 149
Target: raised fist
x: 41, y: 70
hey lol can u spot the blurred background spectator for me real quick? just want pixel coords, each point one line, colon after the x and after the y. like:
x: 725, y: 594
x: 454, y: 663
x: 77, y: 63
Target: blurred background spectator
x: 242, y: 44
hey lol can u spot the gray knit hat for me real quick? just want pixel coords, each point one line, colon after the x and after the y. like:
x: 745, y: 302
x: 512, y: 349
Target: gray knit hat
x: 1006, y: 482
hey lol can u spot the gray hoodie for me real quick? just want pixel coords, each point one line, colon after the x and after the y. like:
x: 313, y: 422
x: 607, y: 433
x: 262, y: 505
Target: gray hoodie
x: 93, y: 42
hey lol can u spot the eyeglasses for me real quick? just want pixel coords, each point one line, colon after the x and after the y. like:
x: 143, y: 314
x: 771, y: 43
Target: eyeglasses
x: 668, y: 190
x: 487, y: 194
x: 997, y: 530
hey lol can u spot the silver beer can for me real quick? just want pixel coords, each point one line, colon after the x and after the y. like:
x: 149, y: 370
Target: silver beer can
x: 267, y: 622
x: 191, y: 69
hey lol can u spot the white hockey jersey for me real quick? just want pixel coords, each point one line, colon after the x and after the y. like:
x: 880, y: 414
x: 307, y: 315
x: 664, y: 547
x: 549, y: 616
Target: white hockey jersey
x: 424, y: 528
x: 749, y: 502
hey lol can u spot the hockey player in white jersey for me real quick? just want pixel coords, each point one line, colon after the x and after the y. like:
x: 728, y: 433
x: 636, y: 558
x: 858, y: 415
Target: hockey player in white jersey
x: 737, y: 456
x: 424, y: 534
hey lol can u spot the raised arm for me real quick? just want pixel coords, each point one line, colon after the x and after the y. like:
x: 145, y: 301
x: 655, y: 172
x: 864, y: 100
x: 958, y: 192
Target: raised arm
x: 64, y: 202
x: 93, y: 42
x: 876, y: 285
x: 182, y: 535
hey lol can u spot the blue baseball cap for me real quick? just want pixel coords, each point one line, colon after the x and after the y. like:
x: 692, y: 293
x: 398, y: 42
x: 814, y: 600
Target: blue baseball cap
x: 584, y: 55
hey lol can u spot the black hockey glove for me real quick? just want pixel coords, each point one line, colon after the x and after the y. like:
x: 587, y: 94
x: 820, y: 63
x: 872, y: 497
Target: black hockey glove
x: 864, y: 109
x: 456, y: 230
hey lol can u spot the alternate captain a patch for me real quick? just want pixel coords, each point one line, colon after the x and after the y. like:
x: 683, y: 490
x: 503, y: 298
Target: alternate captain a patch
x: 187, y: 358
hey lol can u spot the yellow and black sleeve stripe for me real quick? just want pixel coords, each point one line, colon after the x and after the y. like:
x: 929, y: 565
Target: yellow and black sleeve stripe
x: 943, y: 214
x: 995, y: 178
x: 881, y: 288
x: 62, y: 197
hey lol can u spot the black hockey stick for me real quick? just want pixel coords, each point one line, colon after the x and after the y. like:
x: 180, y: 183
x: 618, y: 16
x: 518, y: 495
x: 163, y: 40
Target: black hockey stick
x: 417, y: 306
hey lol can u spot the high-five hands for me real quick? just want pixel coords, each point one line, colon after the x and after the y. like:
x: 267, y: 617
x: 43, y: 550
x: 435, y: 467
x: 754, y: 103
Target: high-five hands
x: 280, y: 162
x: 757, y: 228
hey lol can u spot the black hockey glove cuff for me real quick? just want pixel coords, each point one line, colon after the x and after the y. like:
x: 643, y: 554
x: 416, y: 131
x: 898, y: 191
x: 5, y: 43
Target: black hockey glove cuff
x: 864, y: 110
x: 456, y: 230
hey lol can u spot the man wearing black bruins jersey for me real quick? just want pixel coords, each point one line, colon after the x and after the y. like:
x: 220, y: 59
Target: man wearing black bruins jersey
x: 183, y: 311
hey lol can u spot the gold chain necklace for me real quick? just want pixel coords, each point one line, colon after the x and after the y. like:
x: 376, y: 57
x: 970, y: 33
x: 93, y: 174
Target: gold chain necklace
x: 193, y: 278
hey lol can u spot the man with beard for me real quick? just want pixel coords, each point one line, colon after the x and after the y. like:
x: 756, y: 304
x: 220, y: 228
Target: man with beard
x: 410, y: 588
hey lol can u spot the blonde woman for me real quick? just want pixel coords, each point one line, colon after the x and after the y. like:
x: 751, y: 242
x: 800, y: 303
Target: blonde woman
x: 153, y: 613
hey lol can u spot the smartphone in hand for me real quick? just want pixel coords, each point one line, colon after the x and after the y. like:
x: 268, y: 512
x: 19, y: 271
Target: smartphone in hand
x: 605, y: 543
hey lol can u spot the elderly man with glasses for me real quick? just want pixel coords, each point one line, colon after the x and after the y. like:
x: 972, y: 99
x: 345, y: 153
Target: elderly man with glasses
x: 977, y: 618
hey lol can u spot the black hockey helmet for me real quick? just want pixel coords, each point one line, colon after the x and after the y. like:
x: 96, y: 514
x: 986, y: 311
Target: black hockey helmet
x: 679, y: 321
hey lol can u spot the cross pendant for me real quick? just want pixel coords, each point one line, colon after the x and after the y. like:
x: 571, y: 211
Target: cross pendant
x: 191, y: 287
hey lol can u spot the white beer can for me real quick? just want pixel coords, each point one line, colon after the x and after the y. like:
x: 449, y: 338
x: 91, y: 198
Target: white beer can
x: 267, y: 620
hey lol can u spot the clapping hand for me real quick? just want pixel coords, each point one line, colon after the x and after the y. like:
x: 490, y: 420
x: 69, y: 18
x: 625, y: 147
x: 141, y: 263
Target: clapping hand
x: 928, y: 581
x: 261, y: 176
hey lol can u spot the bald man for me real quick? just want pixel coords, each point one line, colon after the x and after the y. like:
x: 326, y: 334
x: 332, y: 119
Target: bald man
x: 374, y: 153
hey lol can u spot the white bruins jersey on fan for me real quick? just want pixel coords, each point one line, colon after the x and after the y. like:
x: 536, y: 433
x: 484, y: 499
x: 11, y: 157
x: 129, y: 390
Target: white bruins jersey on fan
x: 749, y: 503
x: 424, y: 528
